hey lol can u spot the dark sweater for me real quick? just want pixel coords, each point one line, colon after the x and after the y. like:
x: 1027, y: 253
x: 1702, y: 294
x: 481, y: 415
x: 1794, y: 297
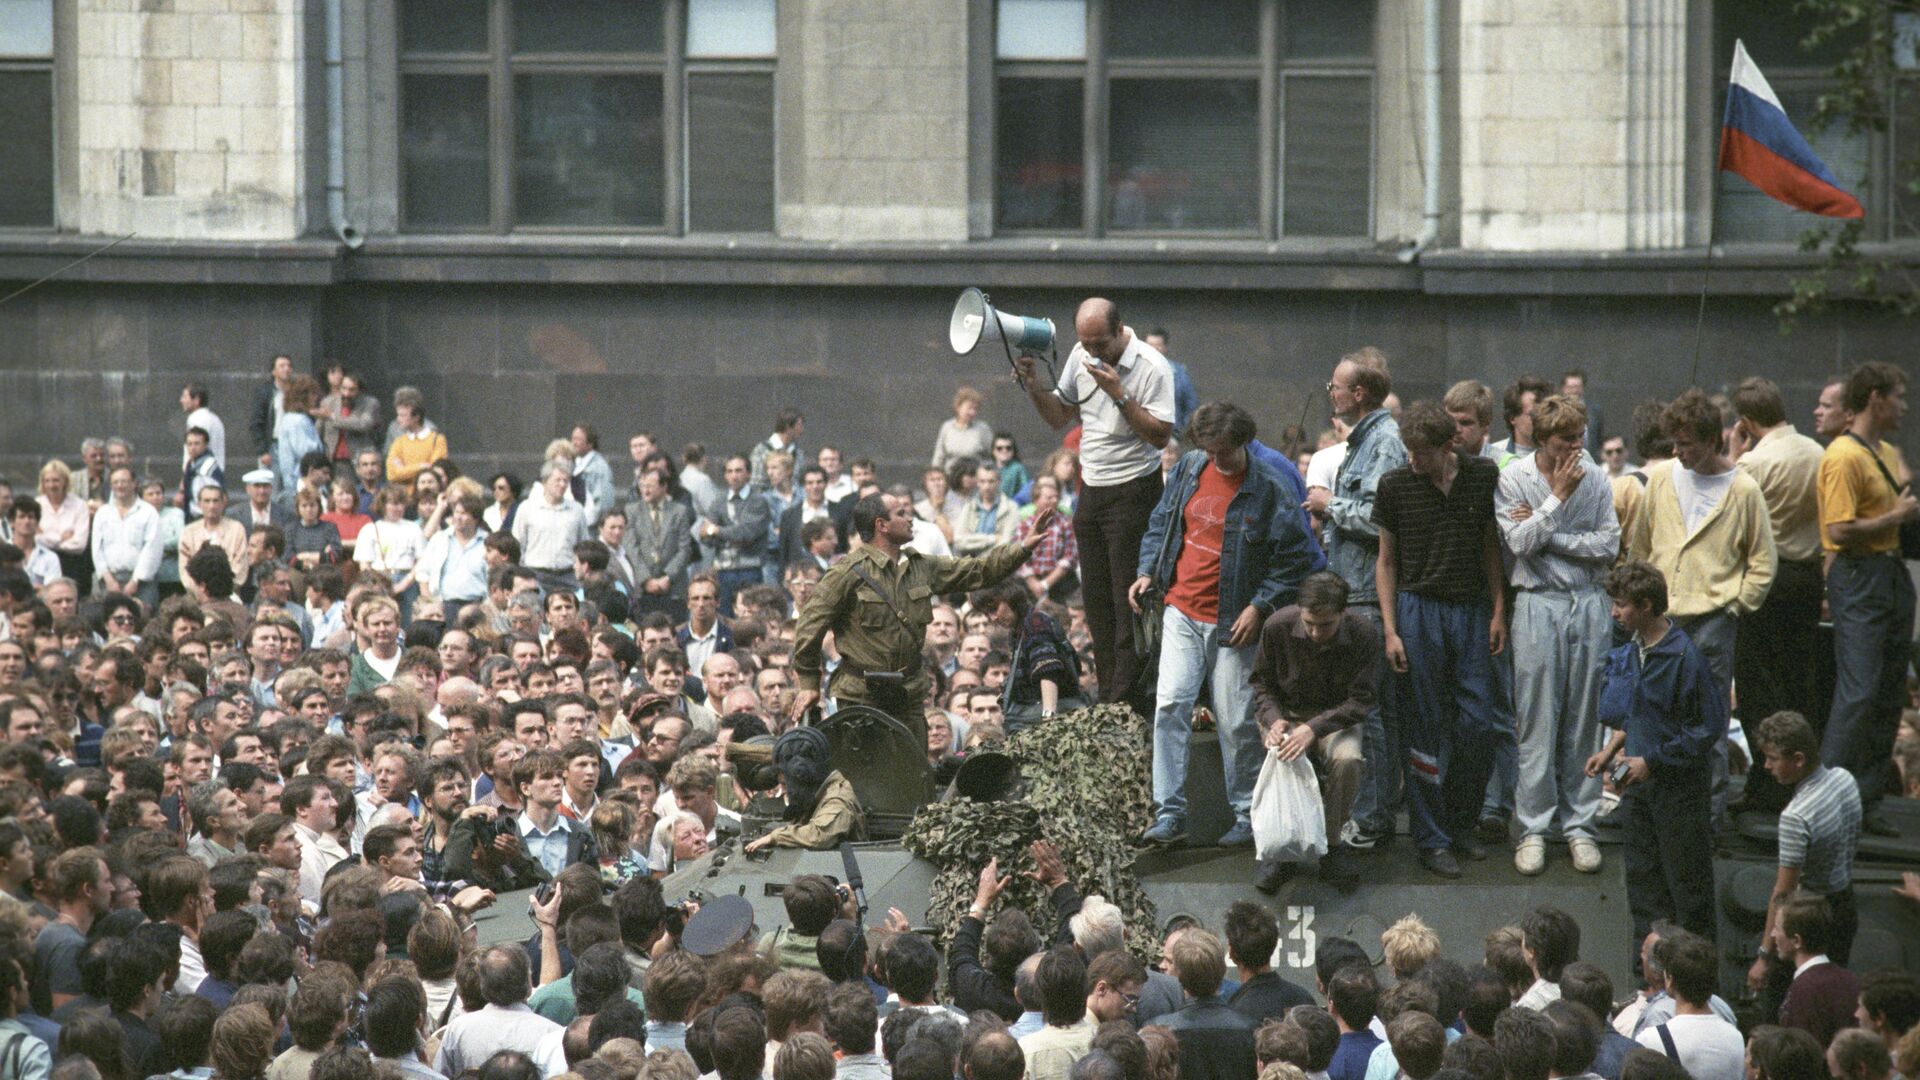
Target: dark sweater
x: 1821, y: 1001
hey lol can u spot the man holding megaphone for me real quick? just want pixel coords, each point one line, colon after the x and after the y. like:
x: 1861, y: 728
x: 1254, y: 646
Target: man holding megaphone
x: 1120, y: 389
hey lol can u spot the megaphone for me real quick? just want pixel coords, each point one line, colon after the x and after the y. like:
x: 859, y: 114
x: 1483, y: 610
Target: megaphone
x: 976, y: 320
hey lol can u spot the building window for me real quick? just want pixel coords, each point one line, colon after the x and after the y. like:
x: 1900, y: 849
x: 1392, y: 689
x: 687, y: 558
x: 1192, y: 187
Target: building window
x: 1220, y: 117
x: 1876, y: 166
x: 644, y: 115
x: 26, y: 113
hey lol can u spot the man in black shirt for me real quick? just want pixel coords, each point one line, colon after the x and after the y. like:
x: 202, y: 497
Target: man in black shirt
x: 1442, y: 598
x: 1252, y: 936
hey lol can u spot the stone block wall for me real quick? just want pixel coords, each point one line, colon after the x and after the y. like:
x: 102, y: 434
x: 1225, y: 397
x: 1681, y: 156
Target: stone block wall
x: 872, y: 99
x: 189, y: 119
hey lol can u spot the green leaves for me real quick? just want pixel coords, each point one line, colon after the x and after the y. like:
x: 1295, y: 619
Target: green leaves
x: 1088, y: 792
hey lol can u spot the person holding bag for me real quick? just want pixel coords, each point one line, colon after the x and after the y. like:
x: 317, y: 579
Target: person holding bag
x: 1045, y: 675
x: 1316, y: 675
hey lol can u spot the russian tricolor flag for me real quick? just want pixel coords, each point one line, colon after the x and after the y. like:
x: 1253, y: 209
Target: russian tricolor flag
x: 1759, y: 143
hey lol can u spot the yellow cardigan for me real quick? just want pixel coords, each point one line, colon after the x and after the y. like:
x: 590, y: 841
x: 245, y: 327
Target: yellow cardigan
x: 409, y: 456
x: 1728, y: 563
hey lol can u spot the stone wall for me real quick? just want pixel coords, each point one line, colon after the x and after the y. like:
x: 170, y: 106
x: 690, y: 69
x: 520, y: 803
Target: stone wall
x: 872, y: 98
x: 189, y: 119
x: 507, y: 368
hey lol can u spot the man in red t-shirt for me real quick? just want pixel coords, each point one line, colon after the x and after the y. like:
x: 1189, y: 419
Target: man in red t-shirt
x: 1227, y: 546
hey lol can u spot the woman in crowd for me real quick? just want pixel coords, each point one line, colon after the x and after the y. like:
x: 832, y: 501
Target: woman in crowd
x: 65, y: 522
x: 1014, y: 475
x: 296, y: 435
x: 310, y: 540
x: 391, y: 545
x: 1045, y: 674
x: 505, y: 489
x: 345, y: 516
x: 966, y: 435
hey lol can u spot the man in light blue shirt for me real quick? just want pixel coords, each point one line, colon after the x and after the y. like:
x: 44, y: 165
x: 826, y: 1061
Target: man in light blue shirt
x: 545, y: 835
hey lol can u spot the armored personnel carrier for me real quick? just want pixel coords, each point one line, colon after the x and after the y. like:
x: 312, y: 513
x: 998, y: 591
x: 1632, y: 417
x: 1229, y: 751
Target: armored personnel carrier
x: 889, y: 771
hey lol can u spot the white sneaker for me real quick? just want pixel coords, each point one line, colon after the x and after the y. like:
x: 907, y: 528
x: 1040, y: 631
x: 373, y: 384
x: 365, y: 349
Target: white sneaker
x: 1586, y: 854
x: 1530, y: 857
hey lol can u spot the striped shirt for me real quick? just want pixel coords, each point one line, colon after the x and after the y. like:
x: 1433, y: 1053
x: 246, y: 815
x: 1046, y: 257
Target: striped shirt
x: 1819, y: 828
x: 1440, y: 537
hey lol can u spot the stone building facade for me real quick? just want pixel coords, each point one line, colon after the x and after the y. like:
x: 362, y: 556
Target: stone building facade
x: 679, y: 215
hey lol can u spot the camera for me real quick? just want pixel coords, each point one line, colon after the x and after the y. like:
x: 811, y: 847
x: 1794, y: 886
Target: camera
x: 1618, y: 774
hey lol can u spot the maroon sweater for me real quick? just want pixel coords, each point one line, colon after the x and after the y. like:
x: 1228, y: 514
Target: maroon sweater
x: 1821, y: 1001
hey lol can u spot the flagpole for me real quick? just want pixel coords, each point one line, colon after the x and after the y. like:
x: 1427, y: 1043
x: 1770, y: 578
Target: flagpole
x: 1706, y: 278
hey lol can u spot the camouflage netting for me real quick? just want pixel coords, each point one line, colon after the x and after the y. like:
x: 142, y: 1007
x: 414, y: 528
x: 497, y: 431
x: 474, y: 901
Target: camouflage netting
x: 1089, y: 793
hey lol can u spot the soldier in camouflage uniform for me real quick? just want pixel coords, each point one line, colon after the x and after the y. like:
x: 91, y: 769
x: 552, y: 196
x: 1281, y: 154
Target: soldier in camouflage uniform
x: 878, y: 601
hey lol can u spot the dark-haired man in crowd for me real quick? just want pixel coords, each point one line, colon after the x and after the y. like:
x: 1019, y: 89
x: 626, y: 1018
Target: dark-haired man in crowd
x: 1316, y: 674
x: 1219, y: 584
x: 1442, y: 590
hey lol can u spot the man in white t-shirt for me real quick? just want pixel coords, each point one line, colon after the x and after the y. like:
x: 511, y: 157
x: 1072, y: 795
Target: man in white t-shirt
x: 1120, y: 389
x: 1708, y: 1047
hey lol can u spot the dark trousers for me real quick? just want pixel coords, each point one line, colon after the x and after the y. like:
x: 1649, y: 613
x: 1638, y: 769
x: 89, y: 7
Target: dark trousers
x: 1871, y: 597
x: 1108, y: 523
x: 1669, y: 838
x: 1446, y: 711
x: 1846, y: 925
x: 1713, y: 634
x: 1770, y: 652
x: 731, y: 582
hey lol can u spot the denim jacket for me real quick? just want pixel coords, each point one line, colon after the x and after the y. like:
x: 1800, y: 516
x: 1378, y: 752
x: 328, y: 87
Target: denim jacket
x: 1264, y: 554
x: 1353, y: 541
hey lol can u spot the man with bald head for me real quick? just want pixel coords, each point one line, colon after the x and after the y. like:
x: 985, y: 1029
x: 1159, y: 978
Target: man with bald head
x: 1120, y: 390
x: 720, y: 674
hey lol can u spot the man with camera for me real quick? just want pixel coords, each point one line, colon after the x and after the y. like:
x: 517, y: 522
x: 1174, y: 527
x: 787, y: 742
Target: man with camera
x: 878, y: 602
x: 504, y: 853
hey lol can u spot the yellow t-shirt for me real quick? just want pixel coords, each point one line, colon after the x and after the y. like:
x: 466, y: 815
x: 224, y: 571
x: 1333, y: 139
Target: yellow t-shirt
x: 1852, y: 488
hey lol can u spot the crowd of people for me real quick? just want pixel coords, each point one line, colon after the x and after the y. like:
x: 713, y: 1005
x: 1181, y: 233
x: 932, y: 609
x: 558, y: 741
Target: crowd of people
x: 268, y: 750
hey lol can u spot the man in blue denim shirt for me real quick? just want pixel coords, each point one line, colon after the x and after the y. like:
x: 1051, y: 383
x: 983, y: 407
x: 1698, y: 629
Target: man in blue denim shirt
x: 1359, y: 390
x: 1227, y: 547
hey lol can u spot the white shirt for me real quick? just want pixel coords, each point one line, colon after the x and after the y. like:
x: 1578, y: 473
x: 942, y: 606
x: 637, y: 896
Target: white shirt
x: 839, y: 487
x: 1111, y: 453
x: 700, y: 646
x: 477, y: 1036
x: 193, y: 970
x: 127, y: 543
x: 928, y: 539
x: 42, y: 565
x: 207, y: 420
x: 1324, y: 465
x: 1699, y: 494
x: 389, y: 546
x: 1710, y: 1048
x: 319, y: 852
x: 387, y: 667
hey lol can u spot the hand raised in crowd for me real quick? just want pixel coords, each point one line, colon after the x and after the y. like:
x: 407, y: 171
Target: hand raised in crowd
x: 546, y: 916
x: 1037, y: 529
x: 992, y: 882
x: 471, y: 899
x: 1048, y: 870
x: 1909, y: 887
x: 896, y: 922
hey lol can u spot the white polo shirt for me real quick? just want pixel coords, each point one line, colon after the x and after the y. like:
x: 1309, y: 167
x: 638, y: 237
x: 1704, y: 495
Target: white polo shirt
x: 1111, y: 452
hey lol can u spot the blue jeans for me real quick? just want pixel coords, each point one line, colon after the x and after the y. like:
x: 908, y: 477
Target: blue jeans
x: 1189, y: 650
x: 1871, y: 597
x: 1506, y: 743
x: 1445, y: 702
x: 1713, y: 634
x: 1380, y: 746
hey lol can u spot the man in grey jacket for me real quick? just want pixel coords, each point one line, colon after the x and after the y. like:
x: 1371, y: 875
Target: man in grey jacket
x: 736, y: 529
x: 659, y: 546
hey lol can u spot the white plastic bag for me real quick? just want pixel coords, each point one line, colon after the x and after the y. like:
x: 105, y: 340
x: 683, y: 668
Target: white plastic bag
x: 1289, y: 819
